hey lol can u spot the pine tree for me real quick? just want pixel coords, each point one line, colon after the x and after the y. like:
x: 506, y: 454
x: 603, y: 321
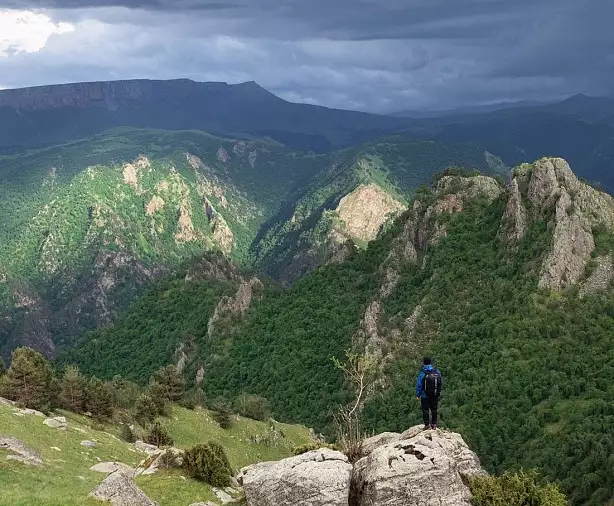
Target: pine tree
x: 146, y: 409
x: 73, y: 390
x: 99, y: 399
x: 29, y: 380
x: 170, y: 381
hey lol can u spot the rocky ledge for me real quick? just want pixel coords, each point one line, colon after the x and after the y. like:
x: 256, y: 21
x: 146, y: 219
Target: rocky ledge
x: 416, y: 468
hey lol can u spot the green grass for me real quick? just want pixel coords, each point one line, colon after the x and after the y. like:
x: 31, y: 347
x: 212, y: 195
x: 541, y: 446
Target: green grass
x: 65, y: 478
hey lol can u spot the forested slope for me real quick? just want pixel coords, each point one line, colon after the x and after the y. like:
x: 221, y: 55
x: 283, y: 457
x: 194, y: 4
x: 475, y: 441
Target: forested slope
x: 89, y: 224
x: 509, y: 289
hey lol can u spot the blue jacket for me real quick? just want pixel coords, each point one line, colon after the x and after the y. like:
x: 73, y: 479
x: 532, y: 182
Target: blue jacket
x: 419, y: 391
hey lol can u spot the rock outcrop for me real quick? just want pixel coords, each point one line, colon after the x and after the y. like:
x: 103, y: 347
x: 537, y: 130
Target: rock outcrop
x: 415, y: 468
x: 235, y: 305
x: 318, y: 478
x: 366, y: 209
x: 120, y: 490
x: 57, y: 422
x: 426, y: 469
x: 572, y: 206
x: 21, y: 451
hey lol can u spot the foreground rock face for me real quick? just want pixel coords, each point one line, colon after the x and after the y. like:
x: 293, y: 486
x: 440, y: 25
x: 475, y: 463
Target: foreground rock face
x: 415, y: 468
x: 317, y: 478
x: 424, y: 470
x: 120, y: 490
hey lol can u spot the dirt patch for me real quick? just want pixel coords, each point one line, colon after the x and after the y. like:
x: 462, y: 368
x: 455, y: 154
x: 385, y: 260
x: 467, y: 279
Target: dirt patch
x: 155, y: 204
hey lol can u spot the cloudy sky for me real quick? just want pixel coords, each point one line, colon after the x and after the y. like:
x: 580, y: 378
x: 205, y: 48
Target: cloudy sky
x: 375, y: 55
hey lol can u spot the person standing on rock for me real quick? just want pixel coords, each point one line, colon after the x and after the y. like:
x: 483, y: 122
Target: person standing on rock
x: 428, y: 390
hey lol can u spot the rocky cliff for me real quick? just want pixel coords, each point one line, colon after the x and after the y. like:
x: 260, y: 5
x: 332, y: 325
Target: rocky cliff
x: 415, y: 468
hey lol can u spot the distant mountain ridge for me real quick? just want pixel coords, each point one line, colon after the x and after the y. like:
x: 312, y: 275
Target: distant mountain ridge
x: 112, y: 93
x: 47, y: 115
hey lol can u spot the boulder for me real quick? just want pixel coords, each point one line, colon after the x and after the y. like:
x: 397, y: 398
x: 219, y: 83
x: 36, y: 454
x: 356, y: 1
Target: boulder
x: 371, y: 443
x: 29, y: 411
x: 317, y: 478
x: 427, y: 469
x: 222, y: 495
x: 89, y: 444
x: 112, y: 467
x: 120, y: 490
x: 147, y: 448
x: 24, y: 454
x: 57, y: 422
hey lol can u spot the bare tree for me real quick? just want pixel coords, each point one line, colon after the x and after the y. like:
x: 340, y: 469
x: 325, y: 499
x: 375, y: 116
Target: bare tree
x: 360, y: 375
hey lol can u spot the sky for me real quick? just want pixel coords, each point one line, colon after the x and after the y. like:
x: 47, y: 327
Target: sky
x: 372, y: 55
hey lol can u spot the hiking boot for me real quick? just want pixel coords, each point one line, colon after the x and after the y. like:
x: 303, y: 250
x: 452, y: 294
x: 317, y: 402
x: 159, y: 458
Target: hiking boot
x: 427, y: 427
x: 433, y: 426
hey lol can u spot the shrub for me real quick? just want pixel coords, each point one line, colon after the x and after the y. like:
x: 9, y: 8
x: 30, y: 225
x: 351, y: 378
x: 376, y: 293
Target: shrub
x: 308, y: 447
x: 146, y: 409
x: 208, y: 463
x: 127, y: 434
x: 159, y: 436
x: 517, y: 489
x: 168, y: 460
x: 255, y: 407
x: 223, y: 415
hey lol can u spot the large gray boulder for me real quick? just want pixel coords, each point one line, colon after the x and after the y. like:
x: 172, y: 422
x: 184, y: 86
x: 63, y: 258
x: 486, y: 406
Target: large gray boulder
x: 120, y: 490
x: 426, y: 469
x: 317, y: 478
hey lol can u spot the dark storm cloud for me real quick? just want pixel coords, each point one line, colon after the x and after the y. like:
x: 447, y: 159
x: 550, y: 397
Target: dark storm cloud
x: 368, y: 54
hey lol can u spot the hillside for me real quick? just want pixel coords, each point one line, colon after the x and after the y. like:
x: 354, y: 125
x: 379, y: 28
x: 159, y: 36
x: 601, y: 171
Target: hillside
x: 65, y: 477
x: 509, y: 289
x: 358, y: 192
x: 89, y: 224
x: 53, y: 114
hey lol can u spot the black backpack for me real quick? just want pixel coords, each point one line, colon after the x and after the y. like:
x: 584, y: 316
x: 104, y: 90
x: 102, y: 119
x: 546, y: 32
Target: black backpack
x: 432, y: 383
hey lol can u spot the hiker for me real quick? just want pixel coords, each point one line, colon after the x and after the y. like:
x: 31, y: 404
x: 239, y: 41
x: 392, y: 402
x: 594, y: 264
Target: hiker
x: 428, y: 390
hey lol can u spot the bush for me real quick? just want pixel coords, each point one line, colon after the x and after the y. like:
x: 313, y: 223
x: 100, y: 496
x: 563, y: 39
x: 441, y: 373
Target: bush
x: 208, y: 463
x: 518, y: 489
x: 158, y: 436
x: 146, y: 409
x: 127, y: 434
x: 255, y: 407
x: 168, y: 460
x: 223, y: 415
x: 308, y: 447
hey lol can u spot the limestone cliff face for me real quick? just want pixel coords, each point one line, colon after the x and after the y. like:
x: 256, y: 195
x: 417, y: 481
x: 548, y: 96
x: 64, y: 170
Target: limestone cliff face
x: 573, y: 207
x: 366, y: 209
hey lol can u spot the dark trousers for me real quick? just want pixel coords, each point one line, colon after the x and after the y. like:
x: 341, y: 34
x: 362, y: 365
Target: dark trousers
x: 429, y: 405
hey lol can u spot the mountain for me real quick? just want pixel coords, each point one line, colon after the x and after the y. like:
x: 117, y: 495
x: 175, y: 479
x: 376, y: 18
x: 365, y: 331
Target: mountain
x: 579, y: 129
x: 53, y: 114
x: 464, y: 111
x: 508, y: 288
x: 88, y: 225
